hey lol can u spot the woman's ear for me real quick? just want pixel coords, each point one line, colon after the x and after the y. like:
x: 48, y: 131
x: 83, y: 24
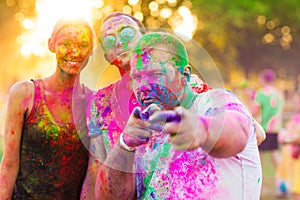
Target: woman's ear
x: 51, y: 44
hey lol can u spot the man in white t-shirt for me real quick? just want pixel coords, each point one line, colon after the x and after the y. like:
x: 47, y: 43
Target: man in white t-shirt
x: 182, y: 145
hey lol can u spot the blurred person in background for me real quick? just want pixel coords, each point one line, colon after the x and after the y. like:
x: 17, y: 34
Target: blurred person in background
x: 44, y: 157
x: 268, y: 110
x: 246, y: 94
x: 288, y: 170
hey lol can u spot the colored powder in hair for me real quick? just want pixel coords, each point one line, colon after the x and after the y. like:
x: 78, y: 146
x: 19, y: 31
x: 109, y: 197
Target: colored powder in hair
x: 165, y: 42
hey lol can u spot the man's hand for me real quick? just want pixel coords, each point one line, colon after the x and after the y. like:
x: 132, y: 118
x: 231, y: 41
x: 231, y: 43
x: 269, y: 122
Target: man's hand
x: 186, y: 130
x: 138, y: 128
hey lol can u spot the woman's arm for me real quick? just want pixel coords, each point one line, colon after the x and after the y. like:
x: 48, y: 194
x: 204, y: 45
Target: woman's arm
x: 19, y: 105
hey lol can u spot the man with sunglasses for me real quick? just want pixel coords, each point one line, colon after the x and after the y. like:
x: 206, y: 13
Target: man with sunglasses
x: 110, y: 107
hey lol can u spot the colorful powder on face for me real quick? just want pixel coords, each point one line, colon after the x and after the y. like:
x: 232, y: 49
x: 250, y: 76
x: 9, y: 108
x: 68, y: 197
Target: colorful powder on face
x: 84, y: 34
x: 139, y: 64
x: 72, y: 44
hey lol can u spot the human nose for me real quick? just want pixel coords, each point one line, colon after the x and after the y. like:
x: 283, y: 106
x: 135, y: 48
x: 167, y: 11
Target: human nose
x: 75, y: 51
x: 122, y: 43
x: 144, y: 86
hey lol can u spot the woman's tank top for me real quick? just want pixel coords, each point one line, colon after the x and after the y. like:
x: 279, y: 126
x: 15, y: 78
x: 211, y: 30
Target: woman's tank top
x: 53, y: 159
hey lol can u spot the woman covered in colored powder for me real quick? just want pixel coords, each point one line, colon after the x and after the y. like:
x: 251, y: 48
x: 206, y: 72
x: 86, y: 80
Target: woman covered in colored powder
x: 44, y: 157
x: 206, y: 148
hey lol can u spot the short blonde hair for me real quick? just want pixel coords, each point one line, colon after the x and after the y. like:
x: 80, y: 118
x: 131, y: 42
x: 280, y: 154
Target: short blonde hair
x: 170, y: 43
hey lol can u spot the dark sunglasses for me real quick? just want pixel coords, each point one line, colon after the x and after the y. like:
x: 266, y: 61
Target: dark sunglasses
x: 125, y: 35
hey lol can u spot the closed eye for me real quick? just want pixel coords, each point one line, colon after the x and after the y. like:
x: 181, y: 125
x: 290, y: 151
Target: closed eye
x: 83, y: 46
x: 136, y: 77
x: 65, y: 44
x: 158, y: 74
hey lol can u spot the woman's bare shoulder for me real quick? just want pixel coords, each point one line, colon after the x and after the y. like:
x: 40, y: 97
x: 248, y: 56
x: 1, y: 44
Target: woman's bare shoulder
x: 22, y: 88
x: 22, y: 92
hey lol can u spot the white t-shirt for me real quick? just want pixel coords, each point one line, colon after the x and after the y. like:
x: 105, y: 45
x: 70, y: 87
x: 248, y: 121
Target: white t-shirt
x: 166, y: 173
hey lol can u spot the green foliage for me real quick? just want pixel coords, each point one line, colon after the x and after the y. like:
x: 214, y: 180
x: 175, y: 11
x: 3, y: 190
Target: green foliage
x: 234, y: 39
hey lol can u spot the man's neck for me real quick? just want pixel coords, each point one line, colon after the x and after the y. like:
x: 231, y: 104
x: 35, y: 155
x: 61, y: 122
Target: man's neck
x: 188, y: 97
x: 123, y: 70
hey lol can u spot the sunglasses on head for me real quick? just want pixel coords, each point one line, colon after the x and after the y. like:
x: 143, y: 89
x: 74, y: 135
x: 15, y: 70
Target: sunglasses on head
x: 125, y: 35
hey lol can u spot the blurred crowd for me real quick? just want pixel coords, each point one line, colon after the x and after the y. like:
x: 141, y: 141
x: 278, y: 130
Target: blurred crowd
x: 278, y: 112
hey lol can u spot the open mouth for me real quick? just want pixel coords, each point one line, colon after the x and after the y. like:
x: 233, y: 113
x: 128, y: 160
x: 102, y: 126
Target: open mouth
x: 73, y: 62
x: 150, y: 100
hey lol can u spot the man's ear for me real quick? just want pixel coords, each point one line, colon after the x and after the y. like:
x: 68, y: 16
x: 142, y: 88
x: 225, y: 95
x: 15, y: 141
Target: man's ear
x: 187, y: 72
x: 187, y: 69
x: 51, y: 44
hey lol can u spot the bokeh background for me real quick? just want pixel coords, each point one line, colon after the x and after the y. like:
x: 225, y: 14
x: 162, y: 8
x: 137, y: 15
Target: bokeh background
x: 242, y: 37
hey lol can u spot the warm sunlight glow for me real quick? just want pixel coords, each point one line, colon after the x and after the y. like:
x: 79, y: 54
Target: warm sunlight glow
x: 188, y: 25
x: 133, y: 2
x: 153, y: 6
x: 172, y: 1
x: 166, y: 12
x: 139, y: 15
x: 127, y: 9
x: 48, y: 12
x: 28, y: 24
